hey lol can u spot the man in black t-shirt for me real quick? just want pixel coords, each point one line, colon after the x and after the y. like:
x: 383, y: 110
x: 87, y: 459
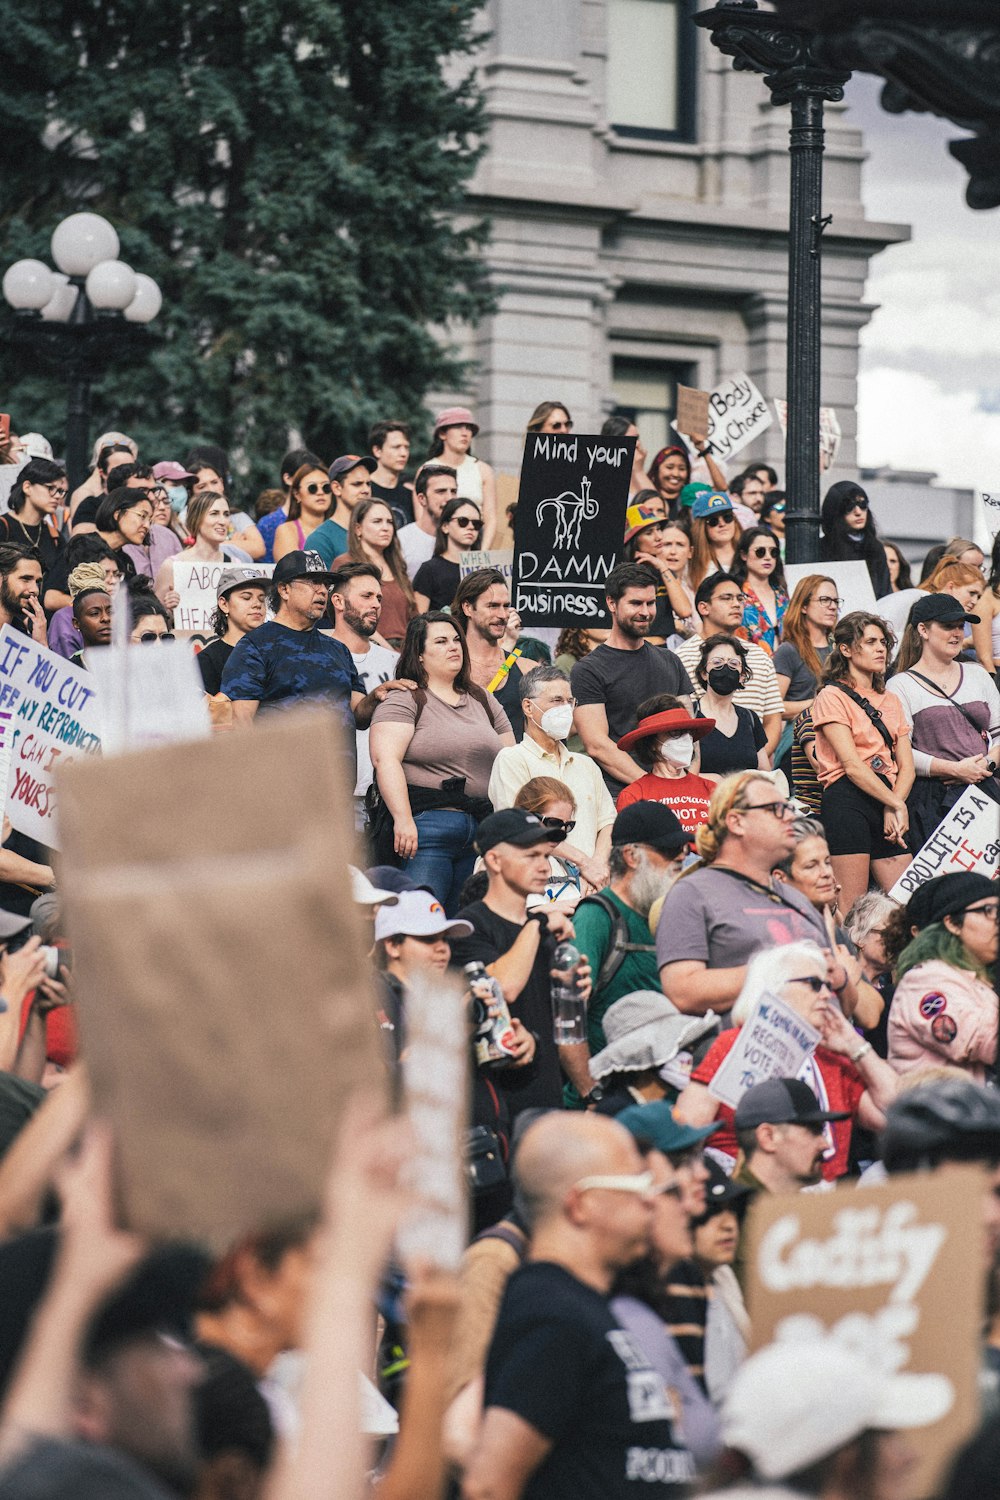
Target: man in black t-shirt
x: 572, y: 1408
x: 241, y: 607
x: 517, y: 945
x: 389, y: 445
x: 615, y: 678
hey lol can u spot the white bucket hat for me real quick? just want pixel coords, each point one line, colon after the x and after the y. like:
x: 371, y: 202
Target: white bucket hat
x: 645, y: 1030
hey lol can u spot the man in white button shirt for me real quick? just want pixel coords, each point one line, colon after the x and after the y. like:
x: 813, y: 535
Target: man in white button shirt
x: 719, y: 607
x: 547, y: 701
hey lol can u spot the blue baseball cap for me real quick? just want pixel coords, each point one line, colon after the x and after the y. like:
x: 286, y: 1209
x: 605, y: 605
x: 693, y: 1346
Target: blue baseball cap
x: 710, y: 503
x: 655, y: 1122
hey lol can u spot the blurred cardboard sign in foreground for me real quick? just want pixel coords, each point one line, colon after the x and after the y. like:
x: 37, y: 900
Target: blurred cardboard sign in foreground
x: 897, y: 1270
x: 224, y: 1000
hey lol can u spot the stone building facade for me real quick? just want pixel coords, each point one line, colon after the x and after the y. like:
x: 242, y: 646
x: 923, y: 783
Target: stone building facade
x: 638, y: 193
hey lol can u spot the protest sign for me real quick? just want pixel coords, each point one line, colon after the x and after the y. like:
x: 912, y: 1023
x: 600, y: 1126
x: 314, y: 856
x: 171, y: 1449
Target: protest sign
x: 853, y: 580
x: 570, y: 526
x: 435, y: 1074
x: 148, y: 694
x: 773, y: 1042
x: 737, y: 413
x: 692, y: 412
x: 966, y: 839
x: 197, y: 583
x: 501, y: 559
x: 897, y: 1271
x: 830, y: 433
x: 986, y: 519
x: 224, y: 993
x: 49, y: 713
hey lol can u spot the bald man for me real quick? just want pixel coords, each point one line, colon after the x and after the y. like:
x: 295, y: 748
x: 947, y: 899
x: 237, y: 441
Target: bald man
x: 573, y: 1410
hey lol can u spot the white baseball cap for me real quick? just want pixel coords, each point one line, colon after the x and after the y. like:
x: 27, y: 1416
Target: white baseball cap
x: 418, y: 914
x: 794, y: 1403
x: 366, y: 894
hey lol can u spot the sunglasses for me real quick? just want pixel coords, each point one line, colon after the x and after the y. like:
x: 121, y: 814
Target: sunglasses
x: 778, y: 509
x: 468, y: 521
x: 560, y: 426
x: 857, y: 505
x: 151, y: 635
x: 763, y: 552
x: 560, y: 823
x: 725, y: 519
x: 814, y: 982
x: 318, y: 489
x: 640, y: 1183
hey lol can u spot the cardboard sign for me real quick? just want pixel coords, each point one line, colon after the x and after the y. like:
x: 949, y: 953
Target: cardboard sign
x: 895, y: 1270
x: 435, y: 1080
x: 224, y: 992
x: 853, y: 580
x: 198, y: 583
x: 501, y: 558
x: 570, y: 526
x: 967, y: 838
x: 48, y: 714
x: 692, y: 412
x: 773, y: 1042
x: 737, y: 413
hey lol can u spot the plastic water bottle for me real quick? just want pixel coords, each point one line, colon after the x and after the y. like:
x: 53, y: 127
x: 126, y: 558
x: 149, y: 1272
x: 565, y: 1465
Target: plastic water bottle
x: 492, y: 1029
x: 569, y: 1009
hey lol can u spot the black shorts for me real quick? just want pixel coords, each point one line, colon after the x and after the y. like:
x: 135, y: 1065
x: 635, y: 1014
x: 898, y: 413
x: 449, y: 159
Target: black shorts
x: 855, y: 822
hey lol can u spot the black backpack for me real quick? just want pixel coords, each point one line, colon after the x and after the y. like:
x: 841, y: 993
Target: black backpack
x: 620, y: 941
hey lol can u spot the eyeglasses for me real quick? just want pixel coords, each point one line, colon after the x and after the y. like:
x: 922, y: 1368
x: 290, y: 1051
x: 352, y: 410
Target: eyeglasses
x: 640, y: 1183
x: 151, y: 635
x: 723, y: 520
x: 858, y: 505
x: 567, y: 824
x: 668, y: 1190
x: 989, y: 910
x: 731, y: 598
x: 779, y: 809
x: 468, y: 521
x: 763, y: 552
x: 825, y: 599
x: 58, y: 490
x: 815, y: 983
x: 318, y: 489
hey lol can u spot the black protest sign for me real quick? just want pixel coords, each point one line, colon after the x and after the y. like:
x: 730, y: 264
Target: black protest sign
x: 569, y: 527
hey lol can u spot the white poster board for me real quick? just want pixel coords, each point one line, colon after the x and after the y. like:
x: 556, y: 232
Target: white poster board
x: 774, y: 1042
x: 986, y: 519
x: 49, y: 714
x: 853, y: 580
x: 198, y: 585
x: 967, y: 838
x: 737, y: 413
x: 501, y: 559
x: 830, y: 434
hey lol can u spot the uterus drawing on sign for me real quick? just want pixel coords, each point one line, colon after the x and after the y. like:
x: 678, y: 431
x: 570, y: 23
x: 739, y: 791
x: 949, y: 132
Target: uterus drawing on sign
x: 571, y: 512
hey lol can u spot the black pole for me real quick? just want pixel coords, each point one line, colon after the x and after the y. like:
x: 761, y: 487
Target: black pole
x: 758, y: 42
x: 77, y: 426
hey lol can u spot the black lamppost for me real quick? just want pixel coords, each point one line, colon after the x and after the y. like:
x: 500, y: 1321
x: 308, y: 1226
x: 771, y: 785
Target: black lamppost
x: 80, y: 318
x: 759, y: 42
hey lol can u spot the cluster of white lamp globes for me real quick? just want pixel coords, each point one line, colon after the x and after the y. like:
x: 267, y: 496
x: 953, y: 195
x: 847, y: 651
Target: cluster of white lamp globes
x: 85, y: 248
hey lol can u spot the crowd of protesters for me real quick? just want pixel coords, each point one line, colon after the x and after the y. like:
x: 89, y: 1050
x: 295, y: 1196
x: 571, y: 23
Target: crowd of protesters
x: 709, y: 801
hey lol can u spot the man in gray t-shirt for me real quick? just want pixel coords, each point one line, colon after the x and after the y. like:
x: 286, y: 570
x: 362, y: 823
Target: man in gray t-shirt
x: 716, y: 918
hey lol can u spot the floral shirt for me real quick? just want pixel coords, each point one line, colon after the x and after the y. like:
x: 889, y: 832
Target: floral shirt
x: 757, y: 626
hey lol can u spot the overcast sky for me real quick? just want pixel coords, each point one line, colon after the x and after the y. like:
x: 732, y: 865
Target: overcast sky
x: 930, y: 383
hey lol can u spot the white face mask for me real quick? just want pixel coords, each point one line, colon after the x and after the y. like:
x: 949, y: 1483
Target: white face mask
x: 557, y: 722
x: 678, y: 749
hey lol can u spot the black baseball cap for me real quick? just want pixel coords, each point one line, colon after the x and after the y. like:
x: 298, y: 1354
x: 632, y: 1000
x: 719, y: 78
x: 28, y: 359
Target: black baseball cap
x: 652, y: 823
x: 942, y: 608
x: 782, y: 1101
x: 349, y: 461
x: 515, y: 826
x: 947, y: 896
x: 300, y: 565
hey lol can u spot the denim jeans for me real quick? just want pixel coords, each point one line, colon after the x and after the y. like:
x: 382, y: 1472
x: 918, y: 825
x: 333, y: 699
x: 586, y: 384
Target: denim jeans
x: 445, y: 854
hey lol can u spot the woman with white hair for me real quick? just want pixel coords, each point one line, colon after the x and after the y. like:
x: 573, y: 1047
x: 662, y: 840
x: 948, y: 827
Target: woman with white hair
x: 845, y: 1073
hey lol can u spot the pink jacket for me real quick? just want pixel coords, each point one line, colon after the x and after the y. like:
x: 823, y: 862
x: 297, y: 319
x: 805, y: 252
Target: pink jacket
x: 942, y: 1015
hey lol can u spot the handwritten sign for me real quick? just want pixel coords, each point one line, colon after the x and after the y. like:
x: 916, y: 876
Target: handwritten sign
x: 737, y: 413
x: 692, y: 411
x: 435, y: 1070
x: 569, y: 528
x: 896, y: 1272
x: 48, y: 714
x: 830, y: 434
x: 198, y: 585
x: 967, y: 838
x: 501, y: 559
x: 986, y: 519
x: 774, y: 1042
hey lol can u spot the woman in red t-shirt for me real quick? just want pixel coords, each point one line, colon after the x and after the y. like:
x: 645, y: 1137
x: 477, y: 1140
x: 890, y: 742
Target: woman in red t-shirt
x: 663, y: 744
x: 845, y: 1073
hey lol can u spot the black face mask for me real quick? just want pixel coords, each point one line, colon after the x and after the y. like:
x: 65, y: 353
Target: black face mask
x: 724, y: 680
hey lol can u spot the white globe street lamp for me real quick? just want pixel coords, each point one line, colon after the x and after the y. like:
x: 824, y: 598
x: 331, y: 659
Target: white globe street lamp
x: 82, y: 241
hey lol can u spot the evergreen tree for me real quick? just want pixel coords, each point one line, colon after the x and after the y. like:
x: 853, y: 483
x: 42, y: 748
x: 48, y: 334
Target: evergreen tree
x: 289, y: 171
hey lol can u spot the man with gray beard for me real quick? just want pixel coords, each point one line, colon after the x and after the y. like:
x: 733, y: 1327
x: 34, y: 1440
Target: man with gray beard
x: 648, y: 846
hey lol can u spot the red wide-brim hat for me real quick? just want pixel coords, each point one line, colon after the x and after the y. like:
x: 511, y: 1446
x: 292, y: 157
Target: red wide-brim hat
x: 672, y: 721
